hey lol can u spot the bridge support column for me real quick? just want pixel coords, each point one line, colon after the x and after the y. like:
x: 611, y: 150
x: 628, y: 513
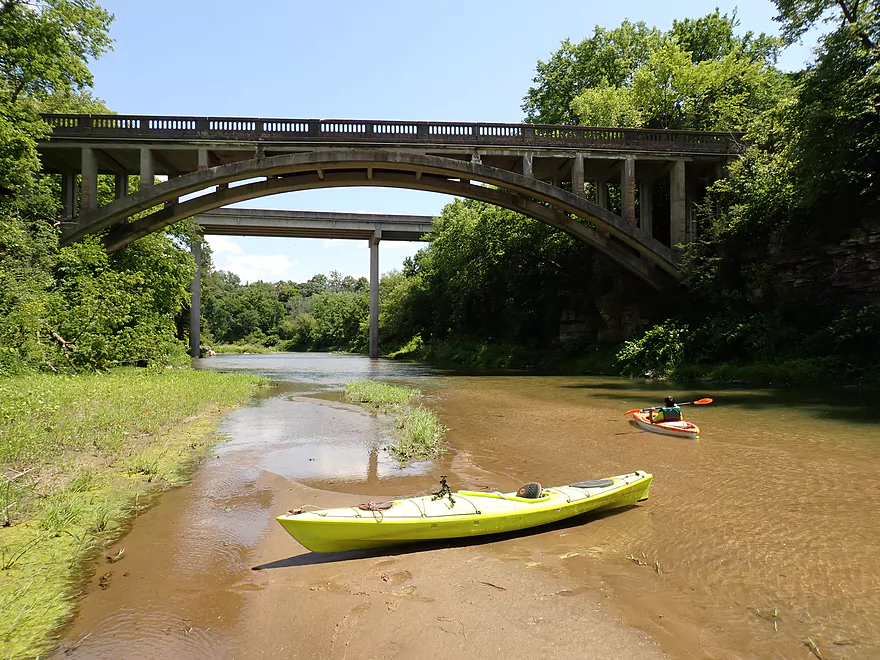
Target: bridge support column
x: 204, y: 161
x: 628, y: 191
x: 68, y: 194
x: 527, y: 164
x: 374, y: 293
x: 602, y: 194
x: 646, y: 208
x: 195, y: 308
x: 677, y: 205
x: 148, y: 168
x: 690, y: 211
x: 88, y: 198
x: 120, y: 187
x: 577, y: 175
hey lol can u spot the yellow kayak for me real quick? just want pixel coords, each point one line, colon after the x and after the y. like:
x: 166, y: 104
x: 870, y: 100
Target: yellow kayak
x: 448, y: 515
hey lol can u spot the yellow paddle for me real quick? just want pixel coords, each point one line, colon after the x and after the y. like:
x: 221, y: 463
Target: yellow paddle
x: 700, y: 402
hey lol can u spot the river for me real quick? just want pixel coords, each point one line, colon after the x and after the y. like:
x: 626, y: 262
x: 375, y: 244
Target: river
x: 760, y: 540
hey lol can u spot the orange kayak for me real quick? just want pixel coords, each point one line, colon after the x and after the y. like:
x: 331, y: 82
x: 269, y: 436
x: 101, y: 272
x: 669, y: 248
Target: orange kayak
x: 681, y: 429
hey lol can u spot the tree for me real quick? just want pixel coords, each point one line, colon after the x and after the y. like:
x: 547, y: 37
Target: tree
x: 862, y: 17
x: 45, y: 46
x: 607, y: 106
x: 700, y: 75
x: 713, y: 37
x: 607, y: 59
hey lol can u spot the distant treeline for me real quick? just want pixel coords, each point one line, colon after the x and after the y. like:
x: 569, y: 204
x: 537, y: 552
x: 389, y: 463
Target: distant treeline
x: 325, y: 313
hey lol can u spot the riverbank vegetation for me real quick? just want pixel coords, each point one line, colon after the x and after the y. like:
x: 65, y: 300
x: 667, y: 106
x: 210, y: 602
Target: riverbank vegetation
x: 94, y: 418
x: 76, y: 308
x: 419, y: 435
x: 80, y: 455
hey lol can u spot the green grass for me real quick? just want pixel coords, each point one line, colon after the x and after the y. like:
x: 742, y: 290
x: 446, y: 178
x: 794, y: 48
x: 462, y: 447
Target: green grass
x: 378, y: 394
x: 95, y: 447
x: 419, y: 436
x: 242, y: 348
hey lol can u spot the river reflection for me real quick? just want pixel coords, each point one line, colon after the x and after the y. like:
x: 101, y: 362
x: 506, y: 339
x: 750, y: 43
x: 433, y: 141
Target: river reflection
x: 303, y: 430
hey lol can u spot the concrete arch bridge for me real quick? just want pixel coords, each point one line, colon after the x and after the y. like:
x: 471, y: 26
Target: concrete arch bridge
x: 565, y: 176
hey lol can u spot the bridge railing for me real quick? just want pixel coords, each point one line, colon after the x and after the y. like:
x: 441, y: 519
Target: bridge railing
x: 387, y: 132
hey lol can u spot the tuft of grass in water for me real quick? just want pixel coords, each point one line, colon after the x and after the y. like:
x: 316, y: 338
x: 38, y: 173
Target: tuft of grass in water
x: 420, y: 435
x: 380, y: 395
x: 77, y: 455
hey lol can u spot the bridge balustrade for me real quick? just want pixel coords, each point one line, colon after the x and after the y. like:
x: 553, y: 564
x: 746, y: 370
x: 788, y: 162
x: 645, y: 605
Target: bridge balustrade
x: 397, y: 132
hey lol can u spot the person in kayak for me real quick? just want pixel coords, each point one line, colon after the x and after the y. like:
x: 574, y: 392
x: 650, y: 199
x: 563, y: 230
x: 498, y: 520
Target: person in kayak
x: 668, y: 412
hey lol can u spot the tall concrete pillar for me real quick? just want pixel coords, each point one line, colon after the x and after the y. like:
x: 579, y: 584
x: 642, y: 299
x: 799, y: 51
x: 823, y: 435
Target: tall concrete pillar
x: 602, y: 194
x: 88, y: 195
x: 374, y: 294
x: 690, y: 196
x: 68, y: 194
x: 120, y: 187
x: 204, y: 161
x: 527, y: 164
x: 148, y: 168
x: 577, y: 175
x: 628, y: 191
x: 646, y: 209
x: 677, y: 206
x: 195, y: 309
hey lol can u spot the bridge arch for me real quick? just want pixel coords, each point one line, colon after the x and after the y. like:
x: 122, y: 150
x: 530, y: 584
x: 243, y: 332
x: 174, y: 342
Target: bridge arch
x: 646, y: 257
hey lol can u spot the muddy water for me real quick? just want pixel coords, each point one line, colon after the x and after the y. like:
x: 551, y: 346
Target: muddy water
x: 760, y: 535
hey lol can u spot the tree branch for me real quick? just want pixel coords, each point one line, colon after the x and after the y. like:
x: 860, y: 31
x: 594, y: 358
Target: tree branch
x: 851, y: 16
x: 18, y: 90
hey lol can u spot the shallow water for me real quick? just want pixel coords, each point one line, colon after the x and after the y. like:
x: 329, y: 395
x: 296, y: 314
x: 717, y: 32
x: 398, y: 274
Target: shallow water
x: 759, y: 535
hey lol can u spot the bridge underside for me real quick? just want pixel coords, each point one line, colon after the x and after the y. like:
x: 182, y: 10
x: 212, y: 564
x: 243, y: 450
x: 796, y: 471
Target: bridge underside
x: 168, y: 202
x: 314, y: 224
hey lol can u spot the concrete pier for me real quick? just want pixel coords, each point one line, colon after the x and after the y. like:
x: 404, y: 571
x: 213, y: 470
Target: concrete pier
x: 88, y: 194
x: 677, y: 205
x: 374, y: 293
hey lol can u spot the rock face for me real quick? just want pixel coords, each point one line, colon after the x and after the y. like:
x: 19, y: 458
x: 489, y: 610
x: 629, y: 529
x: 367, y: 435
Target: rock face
x: 845, y: 271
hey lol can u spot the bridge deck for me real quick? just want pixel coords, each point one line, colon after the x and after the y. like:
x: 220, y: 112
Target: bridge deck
x: 314, y: 224
x: 176, y: 142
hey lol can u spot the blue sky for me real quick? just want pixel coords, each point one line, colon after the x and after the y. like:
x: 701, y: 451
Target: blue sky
x: 440, y: 61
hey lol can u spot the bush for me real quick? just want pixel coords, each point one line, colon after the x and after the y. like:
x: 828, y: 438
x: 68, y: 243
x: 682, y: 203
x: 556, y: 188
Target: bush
x: 658, y: 353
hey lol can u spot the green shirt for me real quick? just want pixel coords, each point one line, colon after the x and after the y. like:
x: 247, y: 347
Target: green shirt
x: 668, y: 414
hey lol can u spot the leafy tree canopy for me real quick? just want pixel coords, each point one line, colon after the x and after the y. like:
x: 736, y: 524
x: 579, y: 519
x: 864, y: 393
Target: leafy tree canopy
x: 45, y: 46
x: 699, y: 75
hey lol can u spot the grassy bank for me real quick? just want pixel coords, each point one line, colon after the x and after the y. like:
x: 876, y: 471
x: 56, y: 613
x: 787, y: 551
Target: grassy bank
x: 79, y: 455
x: 420, y: 435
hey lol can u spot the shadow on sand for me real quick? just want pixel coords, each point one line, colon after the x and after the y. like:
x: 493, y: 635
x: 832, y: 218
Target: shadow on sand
x: 860, y: 406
